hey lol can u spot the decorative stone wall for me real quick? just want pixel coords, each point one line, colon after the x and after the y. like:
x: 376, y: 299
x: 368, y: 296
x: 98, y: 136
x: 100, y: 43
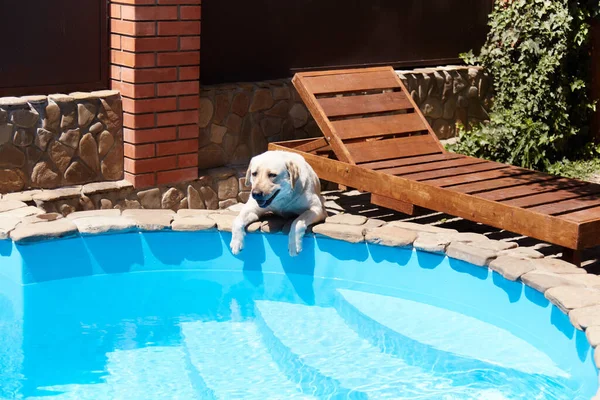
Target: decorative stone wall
x: 57, y: 140
x: 237, y: 121
x: 218, y: 188
x: 450, y: 95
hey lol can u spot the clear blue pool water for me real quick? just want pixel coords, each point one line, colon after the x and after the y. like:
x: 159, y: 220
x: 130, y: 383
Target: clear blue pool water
x: 176, y: 316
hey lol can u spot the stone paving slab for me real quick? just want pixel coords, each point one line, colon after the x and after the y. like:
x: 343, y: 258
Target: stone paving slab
x: 570, y: 297
x: 7, y: 225
x: 348, y: 233
x: 511, y: 268
x: 9, y: 205
x: 470, y: 253
x: 21, y: 212
x: 199, y: 223
x: 151, y: 220
x: 110, y: 224
x: 49, y: 230
x: 94, y: 213
x: 391, y: 236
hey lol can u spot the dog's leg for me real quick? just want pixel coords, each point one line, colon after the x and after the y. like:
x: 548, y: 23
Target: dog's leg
x: 298, y: 228
x: 247, y: 216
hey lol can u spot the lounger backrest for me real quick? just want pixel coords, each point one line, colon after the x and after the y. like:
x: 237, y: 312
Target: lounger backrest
x: 366, y: 114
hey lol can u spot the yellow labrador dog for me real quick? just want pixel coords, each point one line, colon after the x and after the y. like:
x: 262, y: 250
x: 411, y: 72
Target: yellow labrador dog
x: 282, y: 183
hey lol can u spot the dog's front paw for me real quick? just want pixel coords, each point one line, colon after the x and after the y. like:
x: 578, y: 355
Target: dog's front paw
x: 295, y: 245
x: 236, y: 246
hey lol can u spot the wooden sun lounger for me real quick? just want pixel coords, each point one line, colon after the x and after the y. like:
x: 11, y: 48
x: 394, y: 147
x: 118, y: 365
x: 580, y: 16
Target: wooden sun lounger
x: 376, y: 140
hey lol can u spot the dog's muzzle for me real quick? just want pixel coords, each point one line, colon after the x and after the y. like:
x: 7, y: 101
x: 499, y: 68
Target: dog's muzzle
x: 262, y: 202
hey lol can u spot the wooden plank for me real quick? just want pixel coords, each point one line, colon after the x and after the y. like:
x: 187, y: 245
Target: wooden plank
x: 377, y: 150
x: 363, y: 70
x: 479, y: 176
x: 439, y: 166
x: 322, y: 121
x: 350, y: 82
x: 554, y: 196
x: 401, y: 162
x: 530, y: 188
x: 523, y: 221
x: 366, y: 104
x: 567, y: 206
x: 378, y: 126
x: 418, y: 111
x: 313, y: 145
x: 583, y: 216
x: 502, y: 183
x: 453, y: 173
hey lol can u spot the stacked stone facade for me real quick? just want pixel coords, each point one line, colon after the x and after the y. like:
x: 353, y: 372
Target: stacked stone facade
x: 58, y: 140
x: 237, y: 121
x: 450, y: 95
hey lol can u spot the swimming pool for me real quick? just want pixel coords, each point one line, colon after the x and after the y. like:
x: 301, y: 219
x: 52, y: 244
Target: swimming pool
x: 174, y: 315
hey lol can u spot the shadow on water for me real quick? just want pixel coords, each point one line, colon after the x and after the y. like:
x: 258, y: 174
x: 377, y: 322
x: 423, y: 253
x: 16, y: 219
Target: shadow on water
x: 300, y: 270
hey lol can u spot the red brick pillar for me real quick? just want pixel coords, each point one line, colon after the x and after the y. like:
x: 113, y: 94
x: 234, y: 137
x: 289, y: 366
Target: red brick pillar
x: 155, y: 64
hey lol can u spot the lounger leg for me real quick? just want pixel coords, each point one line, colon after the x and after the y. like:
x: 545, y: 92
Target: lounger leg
x: 572, y: 256
x: 398, y: 205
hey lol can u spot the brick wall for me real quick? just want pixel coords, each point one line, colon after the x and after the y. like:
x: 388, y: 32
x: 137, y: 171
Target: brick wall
x: 155, y: 64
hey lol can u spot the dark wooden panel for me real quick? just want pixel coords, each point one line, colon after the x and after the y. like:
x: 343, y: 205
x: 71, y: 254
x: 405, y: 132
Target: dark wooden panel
x: 53, y: 46
x: 378, y: 126
x: 554, y: 196
x: 392, y: 148
x: 400, y: 162
x: 350, y: 82
x: 441, y: 167
x: 255, y: 40
x: 366, y: 104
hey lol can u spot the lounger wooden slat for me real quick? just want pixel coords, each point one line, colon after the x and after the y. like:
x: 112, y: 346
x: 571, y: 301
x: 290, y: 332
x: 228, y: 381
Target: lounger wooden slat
x: 415, y: 160
x: 529, y: 189
x: 500, y: 184
x: 411, y: 172
x: 582, y: 216
x: 350, y: 82
x: 554, y: 196
x: 453, y: 172
x: 497, y: 172
x: 567, y: 206
x: 367, y: 104
x: 439, y: 166
x: 362, y: 128
x: 392, y: 148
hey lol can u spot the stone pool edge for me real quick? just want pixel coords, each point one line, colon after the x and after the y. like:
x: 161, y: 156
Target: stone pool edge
x: 574, y: 291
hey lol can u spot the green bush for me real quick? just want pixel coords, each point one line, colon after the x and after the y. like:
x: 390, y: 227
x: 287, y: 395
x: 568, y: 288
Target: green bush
x: 539, y: 56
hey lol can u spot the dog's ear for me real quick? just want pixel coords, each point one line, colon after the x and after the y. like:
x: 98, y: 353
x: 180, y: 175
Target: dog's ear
x: 248, y: 174
x: 293, y: 171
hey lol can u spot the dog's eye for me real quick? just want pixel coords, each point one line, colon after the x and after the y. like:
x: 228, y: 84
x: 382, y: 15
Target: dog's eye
x: 254, y: 173
x: 272, y: 175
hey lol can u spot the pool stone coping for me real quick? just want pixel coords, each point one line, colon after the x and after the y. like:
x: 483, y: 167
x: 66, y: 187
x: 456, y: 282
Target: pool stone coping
x: 571, y: 289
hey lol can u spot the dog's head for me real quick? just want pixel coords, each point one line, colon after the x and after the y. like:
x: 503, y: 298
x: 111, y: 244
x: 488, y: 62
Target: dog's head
x: 270, y: 176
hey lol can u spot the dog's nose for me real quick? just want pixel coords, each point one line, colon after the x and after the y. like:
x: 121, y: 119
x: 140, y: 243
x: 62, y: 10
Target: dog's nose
x: 256, y: 195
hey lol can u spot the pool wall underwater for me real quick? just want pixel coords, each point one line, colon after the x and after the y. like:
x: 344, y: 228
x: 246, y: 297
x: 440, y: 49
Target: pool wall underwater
x: 431, y: 279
